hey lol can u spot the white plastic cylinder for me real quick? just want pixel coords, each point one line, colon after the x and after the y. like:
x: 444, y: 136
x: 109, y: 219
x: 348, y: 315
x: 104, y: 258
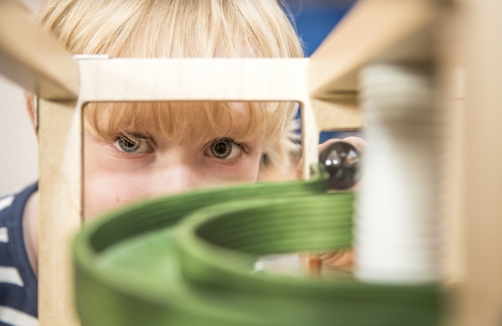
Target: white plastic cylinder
x: 397, y: 236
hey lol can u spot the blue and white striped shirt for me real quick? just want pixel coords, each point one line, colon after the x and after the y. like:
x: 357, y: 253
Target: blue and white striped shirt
x: 18, y: 283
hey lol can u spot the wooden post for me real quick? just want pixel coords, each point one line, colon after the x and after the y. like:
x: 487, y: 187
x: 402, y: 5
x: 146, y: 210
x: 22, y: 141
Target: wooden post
x: 480, y: 301
x: 60, y: 186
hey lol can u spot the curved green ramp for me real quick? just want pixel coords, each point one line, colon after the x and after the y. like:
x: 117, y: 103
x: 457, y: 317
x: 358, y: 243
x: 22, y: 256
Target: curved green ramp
x: 188, y: 260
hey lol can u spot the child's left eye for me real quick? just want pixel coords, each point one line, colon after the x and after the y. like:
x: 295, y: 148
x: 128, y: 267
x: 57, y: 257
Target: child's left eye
x: 224, y: 149
x: 132, y: 144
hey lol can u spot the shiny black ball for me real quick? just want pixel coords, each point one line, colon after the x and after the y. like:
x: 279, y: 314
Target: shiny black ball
x: 343, y: 163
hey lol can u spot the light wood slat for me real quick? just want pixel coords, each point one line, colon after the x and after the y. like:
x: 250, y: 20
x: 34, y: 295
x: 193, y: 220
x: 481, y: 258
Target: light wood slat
x: 372, y: 29
x: 450, y: 83
x: 60, y: 185
x: 310, y: 138
x: 480, y: 301
x: 31, y: 58
x: 194, y: 79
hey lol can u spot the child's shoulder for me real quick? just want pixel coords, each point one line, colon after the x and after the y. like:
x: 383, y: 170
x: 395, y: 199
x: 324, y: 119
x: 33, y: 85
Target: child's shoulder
x: 12, y: 206
x: 18, y: 283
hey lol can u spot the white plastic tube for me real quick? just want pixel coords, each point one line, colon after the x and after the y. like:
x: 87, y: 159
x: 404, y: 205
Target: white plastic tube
x: 397, y: 238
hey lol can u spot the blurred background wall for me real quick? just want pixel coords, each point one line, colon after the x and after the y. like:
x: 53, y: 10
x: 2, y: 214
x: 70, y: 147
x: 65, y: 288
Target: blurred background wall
x: 18, y: 159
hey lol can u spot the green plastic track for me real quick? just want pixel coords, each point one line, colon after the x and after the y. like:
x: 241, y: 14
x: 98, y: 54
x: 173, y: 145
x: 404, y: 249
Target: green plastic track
x: 188, y: 260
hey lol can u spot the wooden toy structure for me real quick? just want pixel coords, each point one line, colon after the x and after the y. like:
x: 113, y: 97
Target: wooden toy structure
x: 450, y: 36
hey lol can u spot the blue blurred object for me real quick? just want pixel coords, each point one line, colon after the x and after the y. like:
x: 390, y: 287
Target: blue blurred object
x: 314, y: 20
x: 338, y: 134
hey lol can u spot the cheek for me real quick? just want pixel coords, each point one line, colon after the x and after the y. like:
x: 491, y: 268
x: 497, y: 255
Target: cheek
x: 104, y: 191
x: 106, y: 185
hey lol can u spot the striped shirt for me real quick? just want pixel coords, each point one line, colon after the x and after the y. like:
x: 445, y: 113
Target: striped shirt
x: 18, y: 283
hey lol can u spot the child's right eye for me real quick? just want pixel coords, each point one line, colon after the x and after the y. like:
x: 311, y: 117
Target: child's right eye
x: 133, y: 144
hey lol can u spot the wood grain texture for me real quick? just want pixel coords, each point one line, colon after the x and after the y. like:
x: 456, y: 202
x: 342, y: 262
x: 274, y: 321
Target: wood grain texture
x: 373, y: 28
x: 31, y: 58
x: 60, y: 187
x: 480, y: 301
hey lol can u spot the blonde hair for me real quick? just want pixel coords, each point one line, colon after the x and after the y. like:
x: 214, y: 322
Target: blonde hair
x: 176, y: 29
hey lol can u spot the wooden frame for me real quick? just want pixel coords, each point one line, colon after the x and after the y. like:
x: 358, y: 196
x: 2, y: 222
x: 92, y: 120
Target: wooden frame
x: 106, y: 80
x: 325, y: 85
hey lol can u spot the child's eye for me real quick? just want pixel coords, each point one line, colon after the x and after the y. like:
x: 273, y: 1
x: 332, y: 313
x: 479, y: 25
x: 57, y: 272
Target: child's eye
x: 132, y: 143
x: 224, y: 149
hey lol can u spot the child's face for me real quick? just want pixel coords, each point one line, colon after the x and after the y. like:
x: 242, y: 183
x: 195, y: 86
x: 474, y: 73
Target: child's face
x: 119, y: 172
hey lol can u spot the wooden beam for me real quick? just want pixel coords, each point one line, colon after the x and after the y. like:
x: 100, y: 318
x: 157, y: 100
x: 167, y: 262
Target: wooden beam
x: 60, y: 187
x: 31, y: 58
x: 373, y: 29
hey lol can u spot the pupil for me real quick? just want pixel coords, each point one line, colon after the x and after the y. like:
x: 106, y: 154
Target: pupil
x: 220, y: 148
